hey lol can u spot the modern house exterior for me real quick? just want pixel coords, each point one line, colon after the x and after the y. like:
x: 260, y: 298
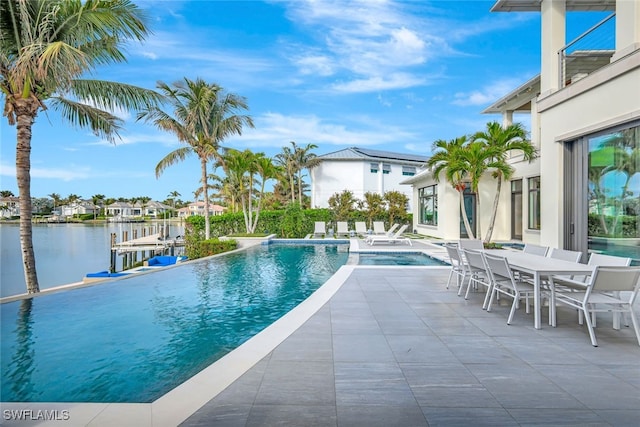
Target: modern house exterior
x: 9, y: 207
x: 360, y: 171
x: 128, y: 210
x: 583, y: 192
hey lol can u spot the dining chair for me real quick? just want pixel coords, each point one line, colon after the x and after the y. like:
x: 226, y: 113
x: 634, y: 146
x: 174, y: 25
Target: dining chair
x: 457, y: 267
x: 564, y: 254
x: 477, y: 272
x: 535, y: 249
x: 578, y: 283
x: 504, y: 282
x: 475, y: 244
x: 603, y: 293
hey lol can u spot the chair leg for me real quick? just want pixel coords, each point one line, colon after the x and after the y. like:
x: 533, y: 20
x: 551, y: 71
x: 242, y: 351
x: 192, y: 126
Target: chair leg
x: 513, y: 308
x: 635, y: 323
x: 487, y: 297
x: 449, y: 279
x: 466, y: 295
x: 493, y: 292
x: 592, y: 334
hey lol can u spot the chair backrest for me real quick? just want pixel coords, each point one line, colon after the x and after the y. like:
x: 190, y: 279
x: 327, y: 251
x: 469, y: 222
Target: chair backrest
x: 400, y: 231
x: 361, y: 227
x: 454, y: 255
x: 475, y: 244
x: 392, y: 229
x: 535, y: 249
x: 498, y: 268
x: 564, y: 254
x: 319, y: 227
x: 615, y: 278
x: 474, y: 258
x: 342, y: 227
x: 378, y: 227
x: 608, y: 260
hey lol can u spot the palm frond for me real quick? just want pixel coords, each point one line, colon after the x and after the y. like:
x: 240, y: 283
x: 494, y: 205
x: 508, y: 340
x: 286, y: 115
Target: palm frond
x: 101, y: 123
x: 172, y: 158
x: 113, y: 95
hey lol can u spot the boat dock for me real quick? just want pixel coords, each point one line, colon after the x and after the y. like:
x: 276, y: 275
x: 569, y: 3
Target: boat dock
x: 153, y: 244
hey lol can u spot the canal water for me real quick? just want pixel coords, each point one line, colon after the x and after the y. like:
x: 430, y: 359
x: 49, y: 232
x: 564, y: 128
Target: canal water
x: 65, y: 252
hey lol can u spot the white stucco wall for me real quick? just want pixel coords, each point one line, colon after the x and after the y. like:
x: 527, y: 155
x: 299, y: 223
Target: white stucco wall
x: 609, y: 97
x: 333, y: 176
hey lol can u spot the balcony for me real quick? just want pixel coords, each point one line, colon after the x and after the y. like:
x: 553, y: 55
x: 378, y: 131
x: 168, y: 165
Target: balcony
x: 587, y: 53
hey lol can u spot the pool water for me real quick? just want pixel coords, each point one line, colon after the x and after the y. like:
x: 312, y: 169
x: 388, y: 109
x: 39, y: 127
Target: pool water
x: 135, y: 339
x: 398, y: 258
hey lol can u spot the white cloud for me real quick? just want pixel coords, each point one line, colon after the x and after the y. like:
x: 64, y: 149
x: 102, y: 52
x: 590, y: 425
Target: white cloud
x: 276, y: 130
x: 375, y: 83
x: 487, y: 94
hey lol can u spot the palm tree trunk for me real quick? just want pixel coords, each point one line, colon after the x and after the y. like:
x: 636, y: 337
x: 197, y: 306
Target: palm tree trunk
x: 463, y: 212
x: 23, y: 177
x: 293, y: 188
x: 205, y: 192
x: 494, y: 211
x: 300, y: 189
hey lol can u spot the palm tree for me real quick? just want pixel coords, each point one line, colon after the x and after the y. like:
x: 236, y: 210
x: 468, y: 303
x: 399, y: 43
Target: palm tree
x: 173, y: 196
x: 449, y: 159
x: 203, y: 116
x: 56, y: 200
x: 46, y: 46
x: 304, y: 159
x: 95, y: 199
x: 286, y: 160
x: 503, y: 141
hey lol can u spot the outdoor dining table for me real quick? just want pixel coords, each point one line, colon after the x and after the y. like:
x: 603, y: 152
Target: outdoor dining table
x: 540, y: 266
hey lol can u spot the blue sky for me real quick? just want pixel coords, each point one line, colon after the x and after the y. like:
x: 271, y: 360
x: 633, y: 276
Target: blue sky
x: 387, y: 75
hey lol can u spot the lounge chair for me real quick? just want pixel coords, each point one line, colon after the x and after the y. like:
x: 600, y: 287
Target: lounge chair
x: 342, y: 228
x: 320, y: 229
x: 378, y: 227
x: 361, y: 228
x: 392, y: 239
x: 389, y: 233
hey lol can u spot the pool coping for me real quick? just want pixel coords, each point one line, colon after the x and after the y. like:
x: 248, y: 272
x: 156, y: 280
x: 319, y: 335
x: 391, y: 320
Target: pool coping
x: 184, y: 400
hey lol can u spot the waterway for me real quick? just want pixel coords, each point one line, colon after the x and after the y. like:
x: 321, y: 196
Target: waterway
x: 65, y: 252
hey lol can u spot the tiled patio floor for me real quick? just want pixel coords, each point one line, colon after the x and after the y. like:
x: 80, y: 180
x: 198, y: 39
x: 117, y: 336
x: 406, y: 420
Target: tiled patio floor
x: 393, y: 347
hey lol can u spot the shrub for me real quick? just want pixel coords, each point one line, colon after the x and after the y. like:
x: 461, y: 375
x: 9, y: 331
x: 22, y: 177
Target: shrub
x: 204, y: 248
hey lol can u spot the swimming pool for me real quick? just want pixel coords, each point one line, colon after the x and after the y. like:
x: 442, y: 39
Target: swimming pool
x: 398, y: 258
x: 134, y: 339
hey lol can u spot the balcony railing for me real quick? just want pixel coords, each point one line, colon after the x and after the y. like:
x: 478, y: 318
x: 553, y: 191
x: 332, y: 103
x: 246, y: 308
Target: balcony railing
x: 589, y: 52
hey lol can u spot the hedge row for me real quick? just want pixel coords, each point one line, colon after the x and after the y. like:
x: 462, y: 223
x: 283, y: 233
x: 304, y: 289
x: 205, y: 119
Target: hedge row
x: 627, y: 227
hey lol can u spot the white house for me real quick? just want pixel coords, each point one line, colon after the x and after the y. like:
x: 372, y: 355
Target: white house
x: 80, y: 207
x: 585, y: 120
x: 360, y: 171
x: 197, y: 208
x: 9, y: 207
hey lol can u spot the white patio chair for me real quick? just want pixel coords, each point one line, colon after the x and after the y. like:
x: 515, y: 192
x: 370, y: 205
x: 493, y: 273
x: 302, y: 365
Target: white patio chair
x: 378, y: 227
x: 535, y: 249
x: 396, y: 238
x: 389, y: 233
x: 361, y: 228
x: 320, y: 229
x: 342, y: 228
x: 603, y: 294
x: 476, y: 270
x: 564, y: 254
x: 457, y: 267
x: 475, y: 244
x: 504, y: 282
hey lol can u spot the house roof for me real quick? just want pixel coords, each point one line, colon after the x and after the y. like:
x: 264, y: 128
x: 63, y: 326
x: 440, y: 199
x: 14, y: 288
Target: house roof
x: 355, y: 153
x: 518, y: 99
x: 534, y: 5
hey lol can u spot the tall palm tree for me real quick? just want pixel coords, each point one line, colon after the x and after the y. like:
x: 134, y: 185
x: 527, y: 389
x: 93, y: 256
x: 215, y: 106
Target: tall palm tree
x: 504, y: 141
x: 173, y: 196
x: 449, y: 159
x: 46, y: 46
x: 286, y: 160
x: 95, y: 199
x: 203, y: 116
x: 56, y: 200
x: 304, y: 159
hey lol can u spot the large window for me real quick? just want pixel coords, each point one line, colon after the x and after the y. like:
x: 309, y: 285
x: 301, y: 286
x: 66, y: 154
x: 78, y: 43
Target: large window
x: 614, y: 192
x: 534, y: 203
x: 428, y: 200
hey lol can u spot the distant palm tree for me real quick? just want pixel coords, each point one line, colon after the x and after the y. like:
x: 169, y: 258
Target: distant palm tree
x: 503, y: 141
x: 95, y: 199
x: 203, y: 116
x: 46, y: 46
x: 286, y: 160
x: 56, y: 200
x: 449, y: 159
x: 173, y: 196
x: 304, y: 159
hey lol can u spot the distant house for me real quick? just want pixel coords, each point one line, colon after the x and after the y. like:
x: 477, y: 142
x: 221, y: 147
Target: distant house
x: 197, y: 208
x: 121, y: 209
x: 361, y: 171
x: 155, y: 209
x: 80, y: 207
x: 127, y: 210
x: 9, y: 207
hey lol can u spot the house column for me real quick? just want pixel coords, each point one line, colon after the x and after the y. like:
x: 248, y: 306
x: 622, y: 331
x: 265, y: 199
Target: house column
x: 627, y: 28
x: 507, y: 119
x: 380, y: 179
x: 553, y: 14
